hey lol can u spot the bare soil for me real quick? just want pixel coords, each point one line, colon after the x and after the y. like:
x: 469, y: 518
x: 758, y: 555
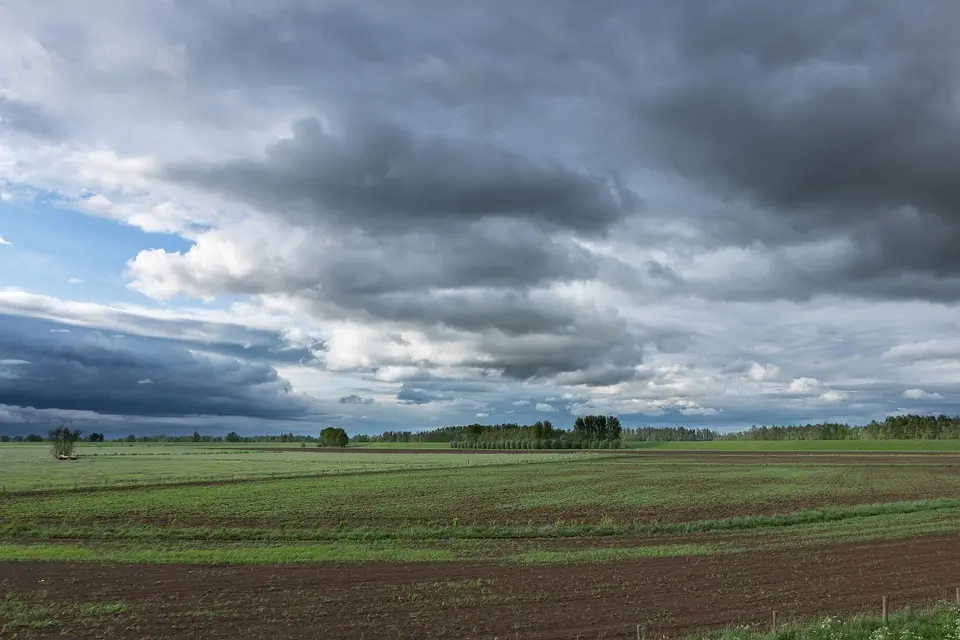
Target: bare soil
x: 670, y: 596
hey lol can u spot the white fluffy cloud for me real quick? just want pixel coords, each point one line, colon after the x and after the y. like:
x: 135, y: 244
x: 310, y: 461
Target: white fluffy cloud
x: 805, y: 385
x: 760, y: 372
x: 920, y: 394
x: 833, y: 396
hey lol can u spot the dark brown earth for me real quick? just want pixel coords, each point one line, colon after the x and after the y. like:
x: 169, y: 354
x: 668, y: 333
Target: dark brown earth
x: 670, y: 596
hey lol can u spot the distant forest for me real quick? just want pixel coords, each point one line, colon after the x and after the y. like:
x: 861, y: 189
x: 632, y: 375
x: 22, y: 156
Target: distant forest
x: 901, y: 427
x: 591, y: 431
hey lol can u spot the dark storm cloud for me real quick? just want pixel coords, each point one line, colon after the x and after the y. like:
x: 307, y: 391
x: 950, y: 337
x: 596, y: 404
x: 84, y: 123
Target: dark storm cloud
x: 446, y: 234
x: 353, y: 53
x: 431, y: 388
x: 514, y: 313
x: 837, y: 122
x: 355, y: 399
x: 833, y: 121
x: 507, y: 253
x: 382, y: 179
x: 233, y: 339
x: 28, y: 118
x: 88, y: 370
x: 415, y: 395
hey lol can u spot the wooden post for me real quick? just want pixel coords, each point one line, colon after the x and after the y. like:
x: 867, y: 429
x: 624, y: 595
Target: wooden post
x: 958, y: 596
x: 884, y: 609
x: 774, y: 621
x: 641, y: 633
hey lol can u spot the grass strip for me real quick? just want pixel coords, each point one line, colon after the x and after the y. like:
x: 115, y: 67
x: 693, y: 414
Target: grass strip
x: 484, y: 460
x: 940, y: 622
x: 223, y: 554
x: 36, y: 531
x: 17, y: 614
x: 391, y: 551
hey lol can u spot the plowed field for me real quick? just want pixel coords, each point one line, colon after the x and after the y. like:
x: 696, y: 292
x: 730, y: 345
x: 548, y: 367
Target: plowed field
x: 587, y: 547
x: 670, y: 596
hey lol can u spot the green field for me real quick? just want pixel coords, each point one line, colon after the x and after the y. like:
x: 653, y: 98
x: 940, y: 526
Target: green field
x: 401, y: 445
x: 29, y: 467
x: 189, y: 508
x: 244, y: 504
x: 740, y: 445
x: 941, y: 622
x: 801, y: 445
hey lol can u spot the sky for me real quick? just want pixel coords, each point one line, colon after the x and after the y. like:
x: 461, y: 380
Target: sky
x: 378, y: 214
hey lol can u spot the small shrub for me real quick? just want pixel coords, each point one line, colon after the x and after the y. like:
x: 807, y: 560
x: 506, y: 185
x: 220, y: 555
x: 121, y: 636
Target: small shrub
x: 63, y: 440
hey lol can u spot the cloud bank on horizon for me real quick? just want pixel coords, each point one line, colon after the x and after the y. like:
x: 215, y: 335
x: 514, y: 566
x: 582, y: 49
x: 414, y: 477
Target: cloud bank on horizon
x: 230, y: 216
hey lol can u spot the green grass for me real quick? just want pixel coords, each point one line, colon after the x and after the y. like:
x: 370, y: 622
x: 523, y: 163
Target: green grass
x: 941, y: 512
x: 515, y: 544
x: 547, y: 546
x: 29, y: 467
x: 223, y: 553
x: 937, y: 623
x: 19, y: 614
x: 581, y: 489
x: 376, y: 551
x: 516, y: 508
x: 803, y: 445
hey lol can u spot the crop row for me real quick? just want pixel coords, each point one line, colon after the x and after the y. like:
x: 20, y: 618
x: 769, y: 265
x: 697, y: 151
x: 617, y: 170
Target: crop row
x: 585, y: 490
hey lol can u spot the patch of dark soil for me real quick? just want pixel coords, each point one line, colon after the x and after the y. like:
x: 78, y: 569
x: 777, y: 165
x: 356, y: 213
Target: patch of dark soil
x: 671, y: 596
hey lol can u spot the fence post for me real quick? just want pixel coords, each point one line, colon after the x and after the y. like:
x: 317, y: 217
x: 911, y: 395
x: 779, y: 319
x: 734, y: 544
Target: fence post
x: 641, y: 633
x: 958, y: 596
x: 884, y: 602
x: 774, y: 627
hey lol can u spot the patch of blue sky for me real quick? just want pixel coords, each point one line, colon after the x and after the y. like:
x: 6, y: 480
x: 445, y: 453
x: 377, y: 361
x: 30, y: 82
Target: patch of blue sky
x: 52, y: 247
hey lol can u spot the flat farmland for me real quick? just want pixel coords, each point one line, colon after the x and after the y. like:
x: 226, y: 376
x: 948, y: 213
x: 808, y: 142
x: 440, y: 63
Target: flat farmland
x: 29, y: 467
x: 390, y: 544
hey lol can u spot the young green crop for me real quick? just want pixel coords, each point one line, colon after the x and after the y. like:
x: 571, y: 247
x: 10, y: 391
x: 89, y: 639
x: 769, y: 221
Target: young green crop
x: 28, y: 467
x: 801, y: 445
x: 506, y: 506
x: 937, y: 623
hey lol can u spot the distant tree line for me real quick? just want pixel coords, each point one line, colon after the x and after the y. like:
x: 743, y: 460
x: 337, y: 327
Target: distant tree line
x: 669, y: 434
x: 900, y: 427
x: 473, y: 432
x: 30, y: 438
x: 913, y: 427
x: 565, y: 441
x: 593, y: 431
x: 823, y: 431
x: 587, y: 432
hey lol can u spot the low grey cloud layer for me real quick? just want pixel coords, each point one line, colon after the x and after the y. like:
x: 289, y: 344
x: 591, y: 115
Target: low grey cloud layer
x: 383, y: 180
x: 87, y: 370
x: 648, y: 208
